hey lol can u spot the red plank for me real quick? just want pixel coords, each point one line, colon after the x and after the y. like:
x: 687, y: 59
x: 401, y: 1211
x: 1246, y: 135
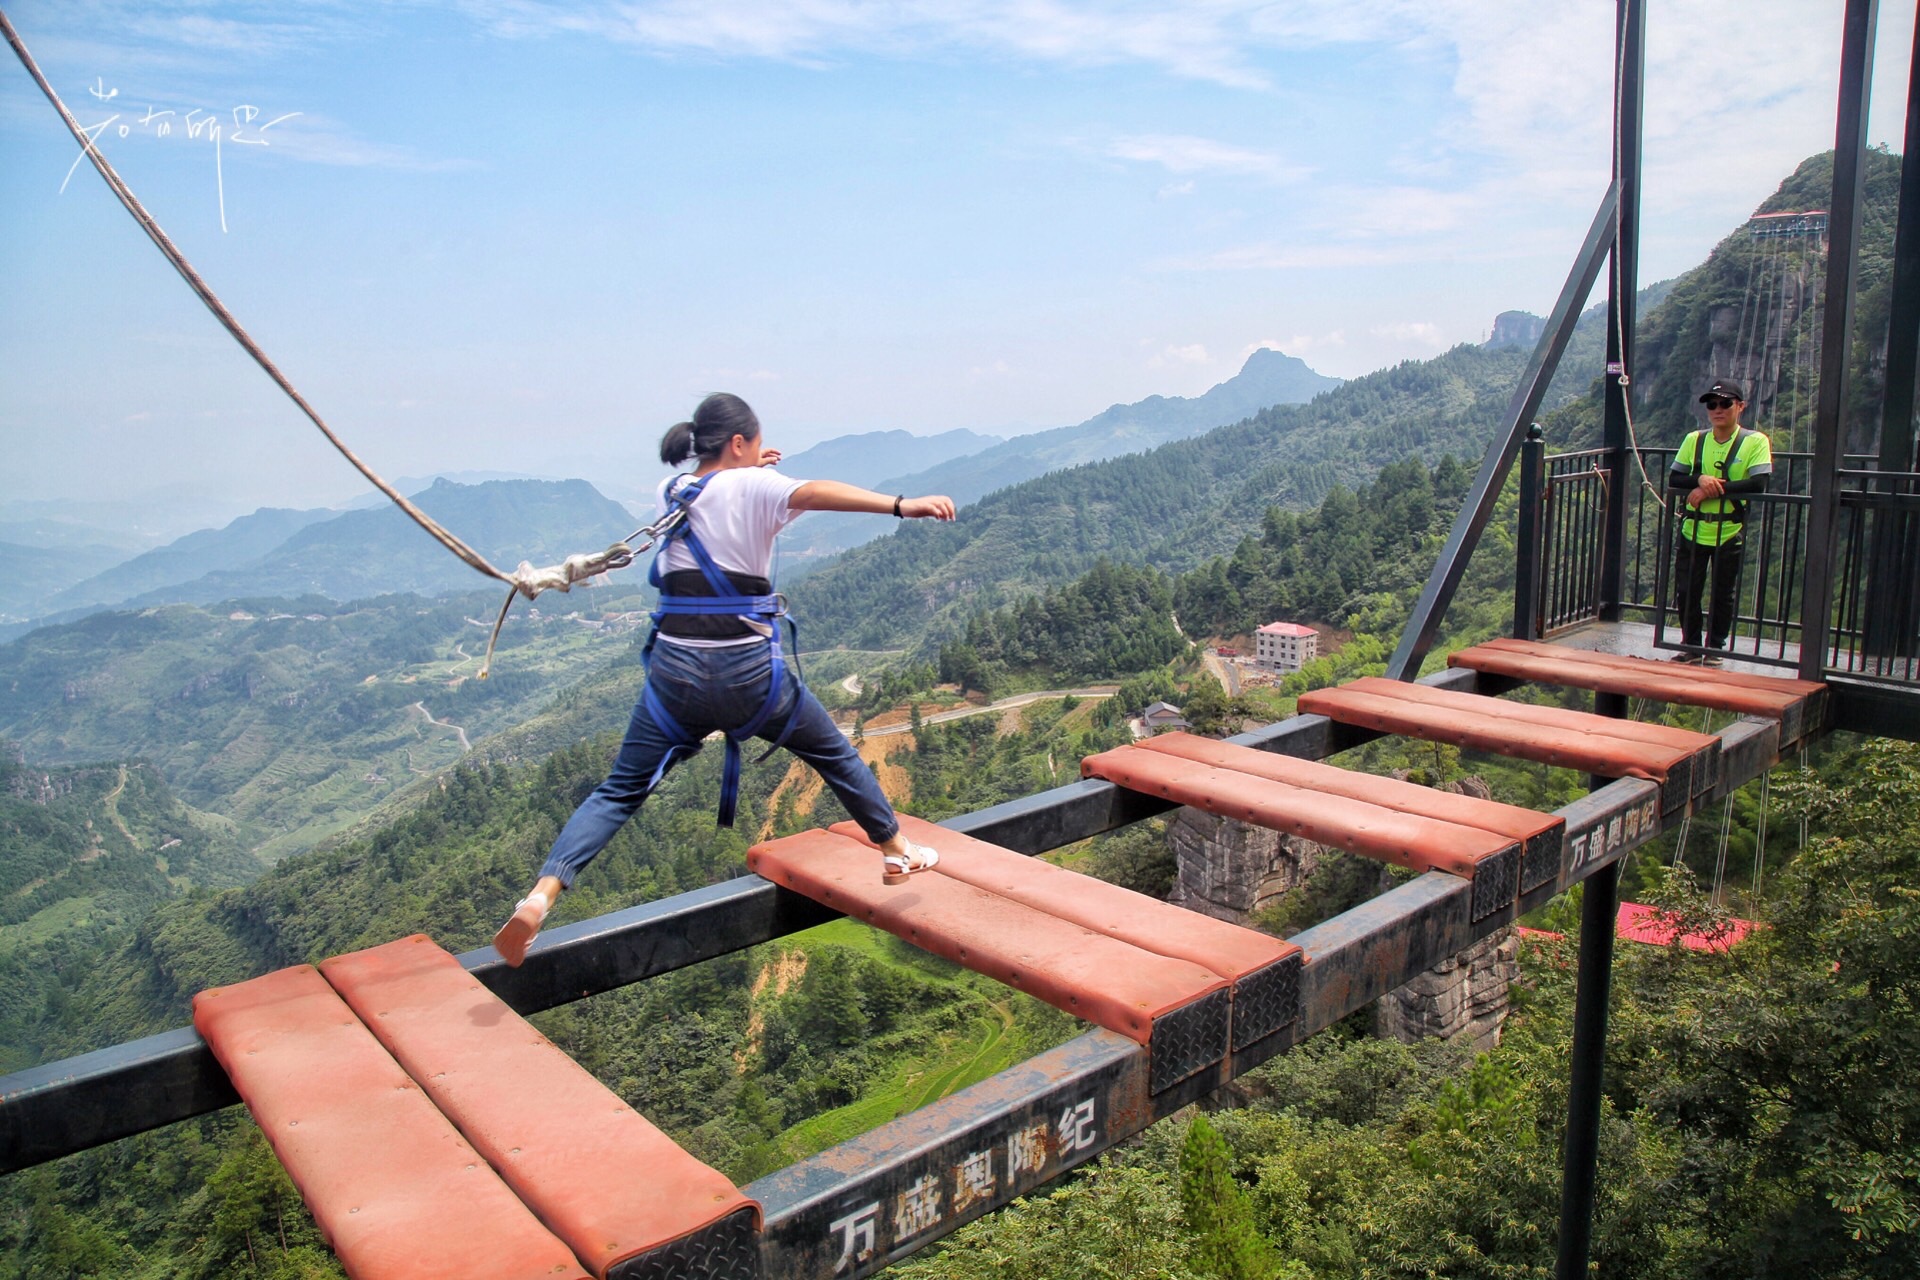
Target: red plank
x: 1657, y: 680
x: 1508, y: 820
x: 596, y: 1172
x: 1409, y: 839
x: 396, y: 1190
x: 1660, y: 735
x: 1499, y: 733
x: 1148, y: 923
x: 1706, y: 675
x: 1090, y: 975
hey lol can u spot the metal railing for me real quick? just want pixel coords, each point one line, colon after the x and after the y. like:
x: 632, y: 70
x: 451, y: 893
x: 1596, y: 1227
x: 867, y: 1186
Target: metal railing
x: 1875, y: 571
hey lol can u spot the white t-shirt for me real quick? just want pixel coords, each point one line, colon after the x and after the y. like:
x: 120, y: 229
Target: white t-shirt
x: 736, y: 517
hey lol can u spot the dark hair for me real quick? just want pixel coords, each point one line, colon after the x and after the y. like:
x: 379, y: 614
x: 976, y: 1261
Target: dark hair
x: 719, y: 419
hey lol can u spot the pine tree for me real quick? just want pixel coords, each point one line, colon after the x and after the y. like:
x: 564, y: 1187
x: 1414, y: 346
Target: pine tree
x: 1227, y: 1244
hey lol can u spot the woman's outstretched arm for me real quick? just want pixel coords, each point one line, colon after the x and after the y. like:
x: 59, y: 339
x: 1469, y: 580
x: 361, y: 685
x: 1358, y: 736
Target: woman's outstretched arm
x: 832, y: 495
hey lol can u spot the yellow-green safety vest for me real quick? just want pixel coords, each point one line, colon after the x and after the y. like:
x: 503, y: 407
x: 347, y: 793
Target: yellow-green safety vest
x: 1748, y: 453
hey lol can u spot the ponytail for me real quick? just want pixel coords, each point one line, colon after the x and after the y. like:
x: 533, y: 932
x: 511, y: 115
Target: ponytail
x: 719, y: 418
x: 677, y: 445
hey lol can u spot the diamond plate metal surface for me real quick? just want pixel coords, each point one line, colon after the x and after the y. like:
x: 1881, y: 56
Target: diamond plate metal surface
x: 1541, y: 861
x: 1191, y: 1037
x: 1495, y: 881
x: 727, y: 1250
x: 1266, y: 1000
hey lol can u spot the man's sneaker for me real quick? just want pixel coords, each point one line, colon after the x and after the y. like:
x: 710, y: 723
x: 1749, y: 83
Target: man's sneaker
x: 1713, y: 660
x: 1684, y: 659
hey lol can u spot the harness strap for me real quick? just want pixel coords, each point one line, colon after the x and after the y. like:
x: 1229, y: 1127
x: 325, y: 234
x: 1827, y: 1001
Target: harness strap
x: 1736, y: 512
x: 769, y: 610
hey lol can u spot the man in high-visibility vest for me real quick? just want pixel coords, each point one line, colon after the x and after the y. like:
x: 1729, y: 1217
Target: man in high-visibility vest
x: 1713, y: 468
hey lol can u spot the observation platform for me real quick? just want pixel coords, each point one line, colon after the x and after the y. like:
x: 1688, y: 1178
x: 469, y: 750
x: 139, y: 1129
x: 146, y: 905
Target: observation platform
x: 500, y: 1156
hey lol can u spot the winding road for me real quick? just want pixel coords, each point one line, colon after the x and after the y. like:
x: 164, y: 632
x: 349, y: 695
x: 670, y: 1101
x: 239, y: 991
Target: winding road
x: 1004, y: 704
x: 421, y: 707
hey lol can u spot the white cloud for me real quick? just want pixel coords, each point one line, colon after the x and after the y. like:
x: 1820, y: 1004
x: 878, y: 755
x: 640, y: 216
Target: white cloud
x: 1175, y: 189
x: 1417, y: 332
x: 1299, y: 343
x: 1171, y: 356
x: 1184, y: 153
x: 1202, y: 42
x: 1275, y: 257
x: 316, y: 139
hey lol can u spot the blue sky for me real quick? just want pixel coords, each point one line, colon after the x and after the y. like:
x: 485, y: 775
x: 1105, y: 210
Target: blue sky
x: 526, y: 237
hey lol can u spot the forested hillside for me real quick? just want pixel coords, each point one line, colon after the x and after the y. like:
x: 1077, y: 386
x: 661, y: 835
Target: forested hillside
x: 1754, y: 296
x: 86, y: 852
x: 297, y: 718
x: 1760, y: 1117
x: 1173, y: 508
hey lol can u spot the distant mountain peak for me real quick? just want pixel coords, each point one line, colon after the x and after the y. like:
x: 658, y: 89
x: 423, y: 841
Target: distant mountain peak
x: 1515, y: 329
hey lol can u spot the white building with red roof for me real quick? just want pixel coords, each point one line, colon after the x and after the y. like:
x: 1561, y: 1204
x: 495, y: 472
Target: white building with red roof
x: 1285, y: 646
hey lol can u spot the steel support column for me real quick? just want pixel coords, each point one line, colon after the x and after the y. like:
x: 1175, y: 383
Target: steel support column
x: 1890, y: 571
x: 1599, y: 905
x: 1903, y: 324
x: 1530, y: 556
x: 1629, y: 109
x: 1836, y: 354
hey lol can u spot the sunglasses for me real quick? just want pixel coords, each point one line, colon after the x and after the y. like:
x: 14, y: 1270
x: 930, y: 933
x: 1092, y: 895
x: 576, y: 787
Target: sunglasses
x: 1717, y: 402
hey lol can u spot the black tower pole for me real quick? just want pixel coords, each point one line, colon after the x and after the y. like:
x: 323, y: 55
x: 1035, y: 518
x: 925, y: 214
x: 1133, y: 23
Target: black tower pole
x: 1836, y: 336
x: 1891, y: 546
x: 1598, y: 908
x: 1903, y: 326
x: 1594, y: 981
x: 1629, y: 110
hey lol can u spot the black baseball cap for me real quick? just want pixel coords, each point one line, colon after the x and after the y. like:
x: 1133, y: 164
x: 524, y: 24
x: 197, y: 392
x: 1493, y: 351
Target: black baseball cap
x: 1725, y: 389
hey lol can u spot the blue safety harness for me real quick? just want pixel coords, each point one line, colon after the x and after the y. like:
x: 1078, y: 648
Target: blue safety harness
x: 768, y: 610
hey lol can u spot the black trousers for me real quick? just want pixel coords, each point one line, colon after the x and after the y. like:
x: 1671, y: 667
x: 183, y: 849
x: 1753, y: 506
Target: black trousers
x: 1692, y: 563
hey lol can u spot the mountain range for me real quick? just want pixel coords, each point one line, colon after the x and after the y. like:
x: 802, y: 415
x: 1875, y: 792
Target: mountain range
x: 1267, y: 378
x: 355, y: 554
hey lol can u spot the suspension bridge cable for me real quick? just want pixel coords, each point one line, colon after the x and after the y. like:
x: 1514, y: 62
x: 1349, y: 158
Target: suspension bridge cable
x: 1756, y: 252
x: 206, y: 295
x: 1720, y: 857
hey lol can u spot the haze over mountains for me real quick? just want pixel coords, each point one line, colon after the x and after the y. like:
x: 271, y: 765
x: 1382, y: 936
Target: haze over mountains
x: 370, y: 549
x: 355, y: 554
x: 1267, y: 378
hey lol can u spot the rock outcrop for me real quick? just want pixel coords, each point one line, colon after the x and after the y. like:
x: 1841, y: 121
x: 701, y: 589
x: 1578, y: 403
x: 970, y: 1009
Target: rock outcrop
x: 1465, y: 996
x: 1229, y: 870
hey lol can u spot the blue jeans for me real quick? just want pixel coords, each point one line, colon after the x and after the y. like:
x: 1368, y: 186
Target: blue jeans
x: 708, y: 689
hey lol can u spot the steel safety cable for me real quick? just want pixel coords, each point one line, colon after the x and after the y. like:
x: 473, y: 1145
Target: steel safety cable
x: 1756, y: 251
x: 180, y: 264
x: 1720, y: 858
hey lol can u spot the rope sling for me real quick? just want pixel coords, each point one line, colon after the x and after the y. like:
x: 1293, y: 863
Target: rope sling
x: 525, y: 580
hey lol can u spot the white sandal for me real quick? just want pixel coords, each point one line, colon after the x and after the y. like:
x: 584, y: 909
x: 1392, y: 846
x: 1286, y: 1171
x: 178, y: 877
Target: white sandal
x: 896, y: 867
x: 517, y: 934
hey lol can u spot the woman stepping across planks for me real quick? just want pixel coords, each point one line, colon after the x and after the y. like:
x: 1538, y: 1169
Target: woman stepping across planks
x: 715, y: 659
